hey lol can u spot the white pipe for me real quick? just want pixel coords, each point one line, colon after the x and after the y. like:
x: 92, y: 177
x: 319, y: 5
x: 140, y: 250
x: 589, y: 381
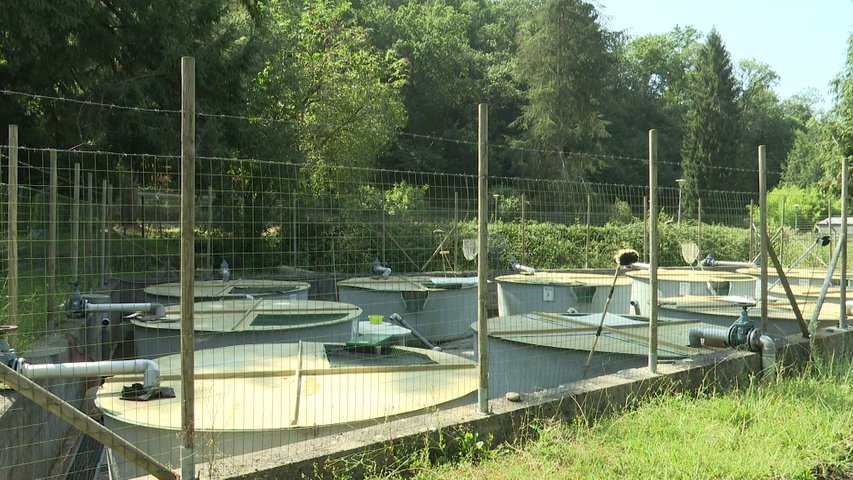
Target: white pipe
x: 524, y: 269
x: 710, y: 262
x: 768, y: 357
x: 712, y: 333
x: 149, y: 369
x: 155, y: 308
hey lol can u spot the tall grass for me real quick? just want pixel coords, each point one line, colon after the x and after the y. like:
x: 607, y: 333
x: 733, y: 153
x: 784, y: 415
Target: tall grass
x: 799, y: 428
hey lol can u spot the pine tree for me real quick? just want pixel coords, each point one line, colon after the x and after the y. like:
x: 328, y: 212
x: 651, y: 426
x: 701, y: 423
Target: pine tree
x: 563, y: 62
x: 710, y: 148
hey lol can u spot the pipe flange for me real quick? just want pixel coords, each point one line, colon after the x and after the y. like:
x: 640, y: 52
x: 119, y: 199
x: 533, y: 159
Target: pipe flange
x: 754, y: 340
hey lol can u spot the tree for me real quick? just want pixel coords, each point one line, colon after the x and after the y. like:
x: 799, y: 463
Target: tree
x: 122, y: 53
x: 844, y: 92
x: 647, y: 92
x: 709, y: 152
x: 562, y: 64
x: 445, y: 77
x: 339, y: 95
x: 814, y: 158
x: 766, y: 121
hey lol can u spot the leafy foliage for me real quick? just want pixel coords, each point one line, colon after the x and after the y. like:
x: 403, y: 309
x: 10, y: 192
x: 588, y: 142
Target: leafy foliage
x: 404, y: 199
x: 338, y: 93
x: 801, y: 206
x: 814, y: 159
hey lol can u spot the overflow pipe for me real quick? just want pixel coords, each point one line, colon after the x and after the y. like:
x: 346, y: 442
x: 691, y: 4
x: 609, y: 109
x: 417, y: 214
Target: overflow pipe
x: 149, y: 369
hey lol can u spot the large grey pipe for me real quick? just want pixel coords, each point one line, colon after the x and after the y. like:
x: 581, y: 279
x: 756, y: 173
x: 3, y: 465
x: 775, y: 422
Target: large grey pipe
x: 710, y: 261
x: 765, y: 343
x: 708, y: 333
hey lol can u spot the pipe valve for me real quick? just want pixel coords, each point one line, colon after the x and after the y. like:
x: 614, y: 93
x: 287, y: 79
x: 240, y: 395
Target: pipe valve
x: 515, y: 265
x: 379, y: 269
x: 76, y: 306
x: 7, y: 353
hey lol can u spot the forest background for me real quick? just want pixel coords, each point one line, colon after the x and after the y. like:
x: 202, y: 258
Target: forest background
x: 395, y: 84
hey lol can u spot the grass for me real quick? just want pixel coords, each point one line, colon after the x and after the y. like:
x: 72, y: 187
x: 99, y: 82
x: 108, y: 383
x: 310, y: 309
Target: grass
x: 798, y: 428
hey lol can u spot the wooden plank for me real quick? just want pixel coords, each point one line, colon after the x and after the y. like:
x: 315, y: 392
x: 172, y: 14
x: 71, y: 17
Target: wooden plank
x: 298, y: 394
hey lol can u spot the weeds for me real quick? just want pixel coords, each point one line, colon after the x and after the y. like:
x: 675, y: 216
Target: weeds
x: 797, y: 428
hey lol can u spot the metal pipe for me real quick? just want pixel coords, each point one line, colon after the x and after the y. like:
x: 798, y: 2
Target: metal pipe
x: 149, y: 369
x: 154, y: 308
x: 710, y: 261
x: 397, y: 318
x: 753, y: 339
x: 768, y: 357
x: 709, y: 333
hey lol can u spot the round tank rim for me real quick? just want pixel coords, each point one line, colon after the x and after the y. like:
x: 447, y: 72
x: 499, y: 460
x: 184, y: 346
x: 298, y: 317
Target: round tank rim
x: 405, y: 283
x: 173, y: 322
x: 689, y: 275
x: 173, y: 289
x: 568, y: 279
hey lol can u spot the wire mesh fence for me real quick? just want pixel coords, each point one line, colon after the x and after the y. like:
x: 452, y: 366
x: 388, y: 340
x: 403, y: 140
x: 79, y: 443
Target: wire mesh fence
x: 328, y: 298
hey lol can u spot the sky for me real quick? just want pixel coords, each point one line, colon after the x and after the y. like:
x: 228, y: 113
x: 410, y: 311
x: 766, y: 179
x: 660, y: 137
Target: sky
x: 804, y: 42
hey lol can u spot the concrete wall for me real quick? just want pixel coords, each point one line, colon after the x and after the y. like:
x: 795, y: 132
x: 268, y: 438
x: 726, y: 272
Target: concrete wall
x: 510, y: 420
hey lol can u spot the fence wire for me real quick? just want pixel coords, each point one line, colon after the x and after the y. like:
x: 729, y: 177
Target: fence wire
x: 328, y: 298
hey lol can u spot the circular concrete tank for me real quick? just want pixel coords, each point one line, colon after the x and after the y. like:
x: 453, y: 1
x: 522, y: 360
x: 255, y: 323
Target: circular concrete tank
x: 234, y: 322
x: 679, y: 282
x: 543, y: 350
x: 559, y: 291
x: 440, y: 308
x: 252, y: 397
